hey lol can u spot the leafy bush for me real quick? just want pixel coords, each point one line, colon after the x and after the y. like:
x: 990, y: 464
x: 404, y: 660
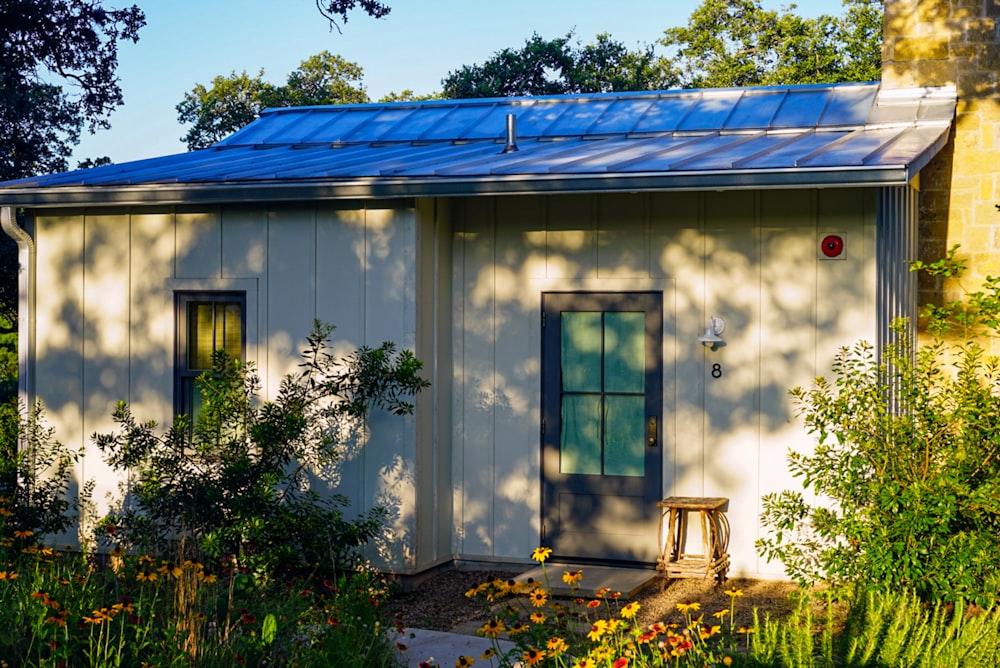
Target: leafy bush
x: 236, y: 483
x: 906, y: 467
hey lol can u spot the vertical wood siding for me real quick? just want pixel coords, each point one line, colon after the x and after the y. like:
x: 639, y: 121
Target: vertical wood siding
x: 752, y: 258
x: 106, y: 324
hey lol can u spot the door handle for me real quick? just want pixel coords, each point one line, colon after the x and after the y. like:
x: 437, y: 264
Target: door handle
x: 651, y: 436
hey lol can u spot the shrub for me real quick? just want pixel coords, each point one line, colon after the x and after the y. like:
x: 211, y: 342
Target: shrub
x: 237, y: 481
x: 906, y: 466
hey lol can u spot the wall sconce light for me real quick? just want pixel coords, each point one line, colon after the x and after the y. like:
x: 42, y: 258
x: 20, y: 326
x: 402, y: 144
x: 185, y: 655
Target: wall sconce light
x: 712, y: 338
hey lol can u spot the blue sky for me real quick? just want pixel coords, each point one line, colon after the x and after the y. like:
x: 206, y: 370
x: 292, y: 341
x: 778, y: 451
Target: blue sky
x: 186, y: 42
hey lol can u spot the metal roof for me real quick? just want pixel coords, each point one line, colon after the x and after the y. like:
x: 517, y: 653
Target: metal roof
x: 780, y: 136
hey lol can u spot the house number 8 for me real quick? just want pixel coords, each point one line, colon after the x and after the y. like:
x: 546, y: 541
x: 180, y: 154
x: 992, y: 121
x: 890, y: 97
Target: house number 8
x: 716, y: 371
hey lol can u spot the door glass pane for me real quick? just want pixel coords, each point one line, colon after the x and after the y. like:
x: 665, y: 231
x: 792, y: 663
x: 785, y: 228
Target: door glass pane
x: 581, y: 351
x: 624, y: 435
x: 580, y: 441
x: 624, y: 351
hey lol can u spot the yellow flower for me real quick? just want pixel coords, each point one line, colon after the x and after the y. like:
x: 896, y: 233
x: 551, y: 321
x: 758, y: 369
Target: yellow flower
x: 27, y: 533
x: 464, y: 662
x: 630, y: 610
x: 597, y: 629
x: 707, y: 632
x: 143, y: 576
x: 541, y: 554
x: 488, y: 654
x: 734, y: 592
x: 572, y: 577
x: 8, y: 575
x: 744, y: 629
x: 533, y: 656
x: 491, y: 629
x: 689, y: 606
x: 6, y: 512
x: 537, y: 618
x: 556, y: 646
x: 727, y: 661
x: 207, y: 579
x: 584, y: 663
x: 720, y: 614
x: 538, y: 597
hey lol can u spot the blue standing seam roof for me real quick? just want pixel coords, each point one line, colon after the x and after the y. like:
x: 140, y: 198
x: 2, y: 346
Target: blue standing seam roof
x: 812, y: 135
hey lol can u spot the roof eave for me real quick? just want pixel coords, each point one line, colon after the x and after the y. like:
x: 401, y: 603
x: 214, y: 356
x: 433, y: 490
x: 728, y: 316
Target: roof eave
x: 383, y: 188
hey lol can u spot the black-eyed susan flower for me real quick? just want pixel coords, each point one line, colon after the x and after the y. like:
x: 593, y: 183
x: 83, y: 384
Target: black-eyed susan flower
x: 24, y: 533
x: 8, y: 575
x: 519, y: 629
x: 630, y: 610
x: 491, y: 629
x: 720, y: 614
x: 538, y: 597
x: 572, y: 577
x: 734, y: 592
x: 597, y: 630
x: 541, y: 554
x: 556, y: 646
x: 584, y: 663
x: 464, y: 662
x: 488, y: 654
x: 690, y: 606
x: 533, y: 656
x: 537, y: 618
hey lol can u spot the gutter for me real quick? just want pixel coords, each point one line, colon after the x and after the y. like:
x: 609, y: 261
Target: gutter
x: 26, y: 298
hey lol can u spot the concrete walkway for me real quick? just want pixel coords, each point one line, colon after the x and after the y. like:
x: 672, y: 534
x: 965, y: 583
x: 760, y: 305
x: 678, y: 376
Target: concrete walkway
x: 442, y: 649
x: 439, y: 648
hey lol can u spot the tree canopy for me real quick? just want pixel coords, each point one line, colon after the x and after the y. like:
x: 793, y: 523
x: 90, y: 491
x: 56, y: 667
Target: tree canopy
x: 550, y: 67
x: 738, y: 43
x: 232, y: 102
x: 57, y: 76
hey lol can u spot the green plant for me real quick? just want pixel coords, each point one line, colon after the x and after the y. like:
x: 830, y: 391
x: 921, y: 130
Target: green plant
x: 905, y: 473
x: 237, y: 482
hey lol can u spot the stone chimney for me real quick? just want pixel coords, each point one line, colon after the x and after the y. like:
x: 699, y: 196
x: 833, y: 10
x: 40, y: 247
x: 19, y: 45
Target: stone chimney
x: 954, y: 42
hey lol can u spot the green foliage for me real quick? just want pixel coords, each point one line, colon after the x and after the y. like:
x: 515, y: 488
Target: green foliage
x: 879, y: 629
x: 549, y: 67
x: 238, y: 99
x: 36, y: 472
x: 57, y: 76
x: 906, y: 467
x: 237, y: 482
x: 738, y: 43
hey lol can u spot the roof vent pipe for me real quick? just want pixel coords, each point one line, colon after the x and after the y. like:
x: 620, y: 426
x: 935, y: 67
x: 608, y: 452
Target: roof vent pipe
x: 511, y: 144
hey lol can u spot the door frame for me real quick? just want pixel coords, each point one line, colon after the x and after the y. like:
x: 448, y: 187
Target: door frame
x: 552, y: 481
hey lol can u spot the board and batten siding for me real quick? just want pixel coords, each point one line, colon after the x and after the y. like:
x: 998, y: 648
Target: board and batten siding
x: 752, y: 258
x: 105, y: 319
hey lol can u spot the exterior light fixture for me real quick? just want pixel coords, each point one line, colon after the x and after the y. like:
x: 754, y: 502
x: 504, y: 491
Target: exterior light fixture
x: 712, y: 338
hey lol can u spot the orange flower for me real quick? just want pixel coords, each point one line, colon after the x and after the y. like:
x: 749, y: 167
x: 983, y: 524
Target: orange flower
x: 8, y: 575
x: 621, y: 663
x: 593, y: 604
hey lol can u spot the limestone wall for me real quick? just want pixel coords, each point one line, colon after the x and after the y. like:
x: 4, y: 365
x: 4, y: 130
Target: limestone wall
x: 954, y: 42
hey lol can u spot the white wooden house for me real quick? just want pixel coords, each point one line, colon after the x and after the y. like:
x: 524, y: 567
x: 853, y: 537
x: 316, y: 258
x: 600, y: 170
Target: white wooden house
x: 554, y: 262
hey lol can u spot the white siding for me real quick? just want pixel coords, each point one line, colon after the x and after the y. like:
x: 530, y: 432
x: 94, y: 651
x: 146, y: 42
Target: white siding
x: 751, y: 258
x: 106, y: 323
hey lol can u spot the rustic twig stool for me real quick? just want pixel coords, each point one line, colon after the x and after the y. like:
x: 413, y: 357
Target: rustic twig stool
x: 714, y: 559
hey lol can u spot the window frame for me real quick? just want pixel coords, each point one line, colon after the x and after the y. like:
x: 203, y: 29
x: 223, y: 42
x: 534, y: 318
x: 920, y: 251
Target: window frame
x: 183, y: 299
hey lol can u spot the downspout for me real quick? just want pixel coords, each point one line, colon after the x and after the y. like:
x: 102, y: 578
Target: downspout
x: 25, y: 300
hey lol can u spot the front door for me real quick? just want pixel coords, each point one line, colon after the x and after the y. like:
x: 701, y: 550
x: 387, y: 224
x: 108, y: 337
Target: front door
x: 602, y: 461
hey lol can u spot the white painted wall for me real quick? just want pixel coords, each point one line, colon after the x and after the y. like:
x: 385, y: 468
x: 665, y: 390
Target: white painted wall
x: 752, y: 258
x: 105, y: 324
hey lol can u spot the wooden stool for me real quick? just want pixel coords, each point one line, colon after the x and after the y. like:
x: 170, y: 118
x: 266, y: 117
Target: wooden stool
x: 714, y: 559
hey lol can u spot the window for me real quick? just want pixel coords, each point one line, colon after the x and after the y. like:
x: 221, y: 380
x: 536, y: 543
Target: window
x: 206, y: 322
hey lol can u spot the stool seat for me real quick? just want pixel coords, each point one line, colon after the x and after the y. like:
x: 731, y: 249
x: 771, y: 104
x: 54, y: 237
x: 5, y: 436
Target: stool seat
x: 674, y: 562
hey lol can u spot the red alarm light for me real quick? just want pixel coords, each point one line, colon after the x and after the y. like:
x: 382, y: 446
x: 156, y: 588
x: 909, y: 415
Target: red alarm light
x: 832, y: 245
